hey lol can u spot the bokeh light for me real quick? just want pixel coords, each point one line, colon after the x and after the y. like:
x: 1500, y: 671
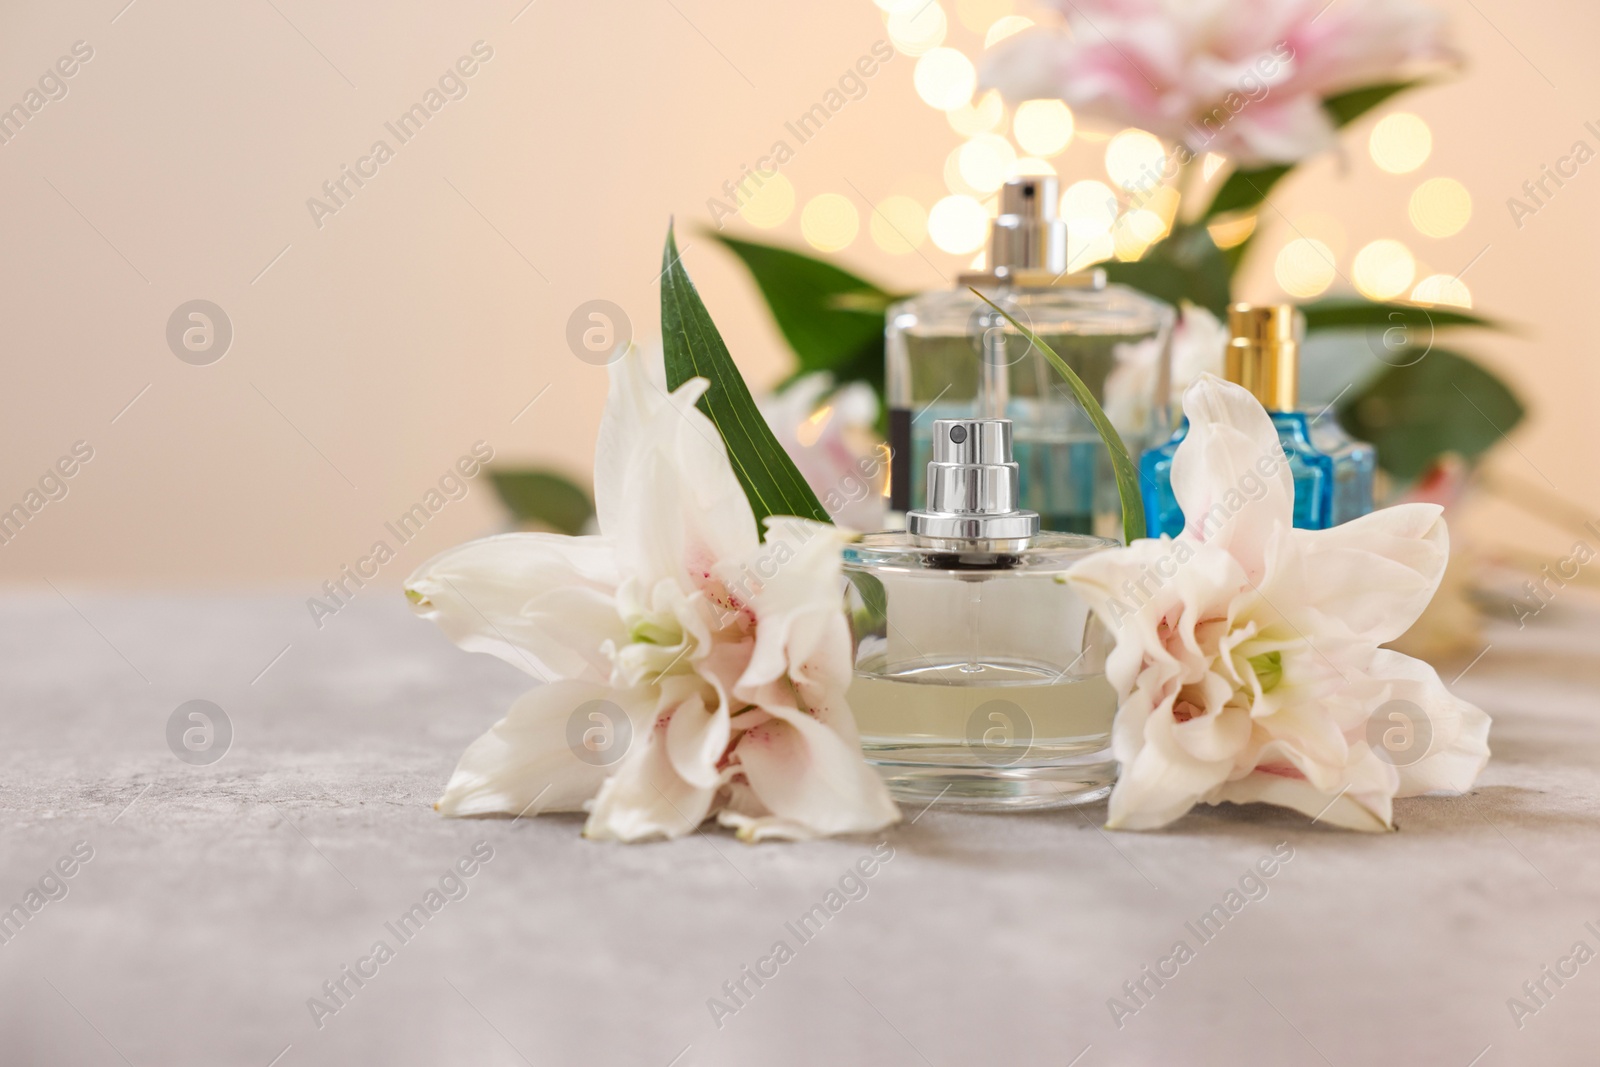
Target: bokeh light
x: 1304, y: 267
x: 1011, y: 24
x: 952, y: 175
x: 986, y: 114
x: 829, y: 222
x: 1323, y: 226
x: 1383, y: 269
x: 979, y: 15
x: 1232, y: 233
x: 945, y: 78
x: 1442, y: 289
x: 809, y: 432
x: 958, y: 224
x: 1042, y: 127
x: 1163, y: 201
x: 986, y: 162
x: 1400, y: 143
x: 1135, y: 159
x: 1084, y: 250
x: 1440, y: 207
x: 899, y: 225
x: 1089, y: 206
x: 1136, y: 231
x: 918, y: 28
x: 1032, y: 166
x: 1210, y: 165
x: 771, y: 205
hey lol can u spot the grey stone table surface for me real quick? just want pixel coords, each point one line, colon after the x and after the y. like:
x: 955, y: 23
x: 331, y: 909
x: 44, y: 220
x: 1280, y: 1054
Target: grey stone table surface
x: 208, y: 905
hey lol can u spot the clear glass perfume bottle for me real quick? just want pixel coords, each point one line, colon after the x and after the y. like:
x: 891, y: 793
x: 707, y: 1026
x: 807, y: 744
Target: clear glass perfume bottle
x: 979, y: 673
x: 1332, y: 471
x: 950, y: 356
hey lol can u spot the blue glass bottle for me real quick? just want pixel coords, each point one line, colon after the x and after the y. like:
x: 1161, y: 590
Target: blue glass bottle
x: 1312, y: 471
x: 1331, y: 471
x: 1355, y: 465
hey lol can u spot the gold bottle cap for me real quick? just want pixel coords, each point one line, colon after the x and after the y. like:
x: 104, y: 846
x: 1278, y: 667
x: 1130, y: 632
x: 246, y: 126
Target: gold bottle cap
x: 1264, y: 354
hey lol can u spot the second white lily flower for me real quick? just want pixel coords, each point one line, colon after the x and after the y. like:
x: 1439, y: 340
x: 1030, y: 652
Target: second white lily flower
x: 728, y: 657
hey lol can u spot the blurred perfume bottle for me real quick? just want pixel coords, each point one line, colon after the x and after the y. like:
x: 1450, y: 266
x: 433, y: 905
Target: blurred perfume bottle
x: 950, y: 356
x: 979, y: 673
x: 1332, y: 472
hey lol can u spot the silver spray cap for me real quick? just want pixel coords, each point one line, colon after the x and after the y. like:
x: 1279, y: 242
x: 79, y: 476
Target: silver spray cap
x: 972, y: 486
x: 1028, y: 235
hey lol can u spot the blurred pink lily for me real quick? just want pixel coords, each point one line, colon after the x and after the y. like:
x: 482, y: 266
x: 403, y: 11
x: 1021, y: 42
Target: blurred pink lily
x: 1242, y: 78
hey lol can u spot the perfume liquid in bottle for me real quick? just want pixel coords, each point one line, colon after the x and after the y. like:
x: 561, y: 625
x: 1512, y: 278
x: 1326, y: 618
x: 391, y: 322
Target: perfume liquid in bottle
x: 951, y: 357
x: 979, y: 674
x: 1332, y: 472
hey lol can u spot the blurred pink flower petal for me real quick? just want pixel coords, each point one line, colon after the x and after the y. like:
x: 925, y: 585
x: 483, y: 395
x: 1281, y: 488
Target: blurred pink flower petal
x: 1243, y: 79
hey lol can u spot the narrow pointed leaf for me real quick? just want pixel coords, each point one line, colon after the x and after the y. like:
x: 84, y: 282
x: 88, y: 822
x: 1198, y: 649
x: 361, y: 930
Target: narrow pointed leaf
x: 1121, y: 463
x: 694, y: 349
x: 1351, y: 313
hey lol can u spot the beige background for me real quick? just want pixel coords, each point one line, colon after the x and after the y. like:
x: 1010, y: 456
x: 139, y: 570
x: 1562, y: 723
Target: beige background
x: 432, y: 308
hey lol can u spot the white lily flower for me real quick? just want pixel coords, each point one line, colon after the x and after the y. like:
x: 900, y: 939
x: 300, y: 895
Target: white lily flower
x: 1248, y: 660
x: 724, y: 658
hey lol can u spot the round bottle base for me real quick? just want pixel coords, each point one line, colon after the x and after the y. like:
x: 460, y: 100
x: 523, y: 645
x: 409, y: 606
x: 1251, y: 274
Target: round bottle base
x: 995, y: 789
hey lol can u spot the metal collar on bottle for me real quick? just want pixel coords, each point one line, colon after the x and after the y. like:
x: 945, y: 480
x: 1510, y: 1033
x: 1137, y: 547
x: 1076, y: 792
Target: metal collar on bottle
x: 1028, y: 242
x: 972, y: 488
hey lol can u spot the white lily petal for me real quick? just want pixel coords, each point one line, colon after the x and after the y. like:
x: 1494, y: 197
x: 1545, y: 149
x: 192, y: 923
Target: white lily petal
x: 1216, y: 736
x: 1229, y: 475
x: 1374, y: 574
x: 541, y: 602
x: 525, y: 765
x: 673, y: 506
x: 1162, y: 781
x: 754, y: 829
x: 1347, y: 809
x: 638, y: 390
x: 802, y: 633
x: 696, y: 739
x: 802, y: 771
x: 1459, y: 745
x: 646, y: 797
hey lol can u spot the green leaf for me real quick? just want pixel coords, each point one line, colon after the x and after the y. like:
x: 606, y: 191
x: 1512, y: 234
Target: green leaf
x: 1121, y: 463
x: 1246, y: 189
x: 1445, y: 402
x: 694, y: 348
x: 1352, y: 313
x: 1187, y: 265
x: 832, y: 319
x: 543, y: 497
x: 1345, y: 108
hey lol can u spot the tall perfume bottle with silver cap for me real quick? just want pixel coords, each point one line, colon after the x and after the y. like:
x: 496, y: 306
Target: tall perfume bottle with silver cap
x: 951, y: 357
x: 979, y: 673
